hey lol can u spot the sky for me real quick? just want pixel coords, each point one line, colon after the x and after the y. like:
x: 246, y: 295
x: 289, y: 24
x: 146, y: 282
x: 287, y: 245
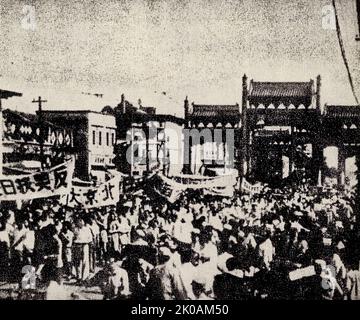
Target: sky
x: 161, y: 51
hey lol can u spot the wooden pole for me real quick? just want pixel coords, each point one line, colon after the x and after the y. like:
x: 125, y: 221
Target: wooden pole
x: 40, y: 119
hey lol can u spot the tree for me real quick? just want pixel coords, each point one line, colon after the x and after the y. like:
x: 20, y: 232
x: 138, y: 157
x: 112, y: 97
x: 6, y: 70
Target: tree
x: 108, y: 110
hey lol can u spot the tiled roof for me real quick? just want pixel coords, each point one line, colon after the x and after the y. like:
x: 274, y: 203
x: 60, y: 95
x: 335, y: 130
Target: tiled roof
x: 280, y: 89
x: 215, y: 111
x: 4, y: 94
x: 148, y: 110
x: 342, y: 111
x: 29, y: 118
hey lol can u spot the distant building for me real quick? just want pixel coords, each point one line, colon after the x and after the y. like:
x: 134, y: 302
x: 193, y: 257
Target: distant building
x: 146, y: 141
x: 212, y: 143
x: 24, y: 136
x: 281, y: 133
x: 94, y: 139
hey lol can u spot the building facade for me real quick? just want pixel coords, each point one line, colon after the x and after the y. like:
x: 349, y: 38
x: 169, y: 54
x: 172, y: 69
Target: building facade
x: 280, y: 133
x: 211, y: 138
x: 146, y: 141
x: 94, y: 140
x: 31, y: 144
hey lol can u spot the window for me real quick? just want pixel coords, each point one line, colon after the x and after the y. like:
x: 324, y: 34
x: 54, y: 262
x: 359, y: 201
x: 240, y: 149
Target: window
x: 136, y: 153
x: 107, y: 138
x: 100, y: 138
x: 113, y: 138
x: 94, y: 137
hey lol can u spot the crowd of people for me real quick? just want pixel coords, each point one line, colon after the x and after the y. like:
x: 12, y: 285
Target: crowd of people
x: 275, y: 244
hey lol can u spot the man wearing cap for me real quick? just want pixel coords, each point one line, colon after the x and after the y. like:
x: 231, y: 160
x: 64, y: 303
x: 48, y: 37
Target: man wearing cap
x: 117, y: 286
x: 165, y: 281
x: 199, y: 288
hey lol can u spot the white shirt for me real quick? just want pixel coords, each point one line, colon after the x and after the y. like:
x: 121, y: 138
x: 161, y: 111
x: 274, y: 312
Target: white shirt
x: 267, y: 251
x: 4, y: 237
x: 83, y: 235
x: 29, y: 242
x: 56, y: 292
x: 182, y: 232
x: 19, y: 238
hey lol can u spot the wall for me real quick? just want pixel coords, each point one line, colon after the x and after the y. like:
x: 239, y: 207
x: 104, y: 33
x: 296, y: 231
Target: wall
x: 101, y: 153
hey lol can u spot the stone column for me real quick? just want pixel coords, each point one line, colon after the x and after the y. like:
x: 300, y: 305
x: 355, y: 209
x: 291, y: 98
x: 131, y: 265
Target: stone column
x: 317, y: 162
x: 187, y: 150
x: 341, y: 166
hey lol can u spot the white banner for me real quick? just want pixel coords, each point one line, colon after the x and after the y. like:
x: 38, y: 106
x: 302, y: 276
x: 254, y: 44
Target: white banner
x: 251, y: 188
x: 106, y: 194
x: 223, y: 192
x: 200, y: 182
x: 43, y: 184
x: 171, y: 188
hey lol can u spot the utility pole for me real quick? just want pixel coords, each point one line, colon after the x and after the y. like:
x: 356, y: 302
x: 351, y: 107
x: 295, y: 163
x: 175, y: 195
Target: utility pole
x: 146, y: 127
x: 39, y: 101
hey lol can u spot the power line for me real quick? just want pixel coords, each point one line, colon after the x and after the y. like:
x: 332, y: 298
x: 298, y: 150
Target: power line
x: 343, y: 54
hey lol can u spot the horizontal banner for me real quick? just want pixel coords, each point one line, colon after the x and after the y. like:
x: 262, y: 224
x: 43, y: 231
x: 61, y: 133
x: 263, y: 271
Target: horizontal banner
x: 86, y: 197
x: 223, y: 192
x: 171, y: 188
x: 166, y: 190
x: 200, y: 182
x: 43, y: 184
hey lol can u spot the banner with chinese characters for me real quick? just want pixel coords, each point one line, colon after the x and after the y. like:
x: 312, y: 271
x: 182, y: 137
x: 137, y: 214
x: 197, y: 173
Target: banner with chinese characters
x: 220, y: 191
x: 86, y: 197
x: 172, y: 188
x: 43, y: 184
x: 251, y: 188
x: 167, y: 190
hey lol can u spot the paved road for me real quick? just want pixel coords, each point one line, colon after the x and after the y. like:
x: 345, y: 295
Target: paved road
x: 10, y: 291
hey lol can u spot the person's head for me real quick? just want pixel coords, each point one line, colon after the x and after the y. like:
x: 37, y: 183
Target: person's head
x: 26, y: 223
x: 195, y: 259
x: 52, y: 230
x: 199, y: 285
x: 58, y: 226
x: 304, y: 246
x: 164, y: 255
x: 231, y: 264
x: 80, y: 223
x: 139, y: 233
x: 66, y: 226
x: 153, y: 224
x: 319, y: 265
x: 113, y: 216
x: 20, y: 224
